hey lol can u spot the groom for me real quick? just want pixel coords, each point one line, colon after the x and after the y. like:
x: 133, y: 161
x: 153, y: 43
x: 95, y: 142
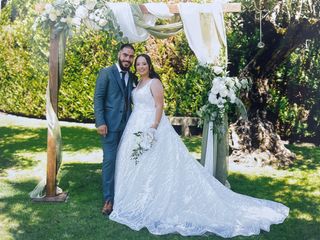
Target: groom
x: 112, y: 108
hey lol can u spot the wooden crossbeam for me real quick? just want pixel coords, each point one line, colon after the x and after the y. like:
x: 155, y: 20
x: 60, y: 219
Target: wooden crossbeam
x: 173, y: 8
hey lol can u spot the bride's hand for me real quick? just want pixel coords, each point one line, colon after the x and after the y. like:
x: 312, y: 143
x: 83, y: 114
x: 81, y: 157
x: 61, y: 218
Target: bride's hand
x: 155, y: 125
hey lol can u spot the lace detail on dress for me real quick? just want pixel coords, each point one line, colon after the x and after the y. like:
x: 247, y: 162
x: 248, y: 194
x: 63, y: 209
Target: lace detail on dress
x: 142, y: 98
x: 171, y: 192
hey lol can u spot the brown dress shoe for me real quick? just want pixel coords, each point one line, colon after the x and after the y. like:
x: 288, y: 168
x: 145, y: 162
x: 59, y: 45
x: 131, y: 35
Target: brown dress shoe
x: 107, y: 208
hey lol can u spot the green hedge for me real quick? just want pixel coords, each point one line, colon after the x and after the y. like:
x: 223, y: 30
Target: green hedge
x: 24, y: 69
x: 23, y: 63
x: 294, y: 104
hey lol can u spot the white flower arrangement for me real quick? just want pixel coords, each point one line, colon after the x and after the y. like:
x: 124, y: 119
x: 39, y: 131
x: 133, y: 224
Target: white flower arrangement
x: 64, y: 15
x: 224, y: 92
x: 144, y: 142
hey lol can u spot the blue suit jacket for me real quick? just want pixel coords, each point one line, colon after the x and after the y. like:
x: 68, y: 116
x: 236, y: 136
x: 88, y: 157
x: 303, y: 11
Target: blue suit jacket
x: 109, y: 99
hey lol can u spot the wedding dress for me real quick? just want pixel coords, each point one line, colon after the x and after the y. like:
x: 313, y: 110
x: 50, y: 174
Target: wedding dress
x: 169, y: 191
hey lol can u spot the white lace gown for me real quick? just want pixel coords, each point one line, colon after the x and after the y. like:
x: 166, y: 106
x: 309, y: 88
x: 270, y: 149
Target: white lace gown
x: 169, y: 191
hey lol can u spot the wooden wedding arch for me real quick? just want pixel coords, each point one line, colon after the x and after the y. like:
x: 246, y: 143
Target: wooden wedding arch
x: 54, y: 68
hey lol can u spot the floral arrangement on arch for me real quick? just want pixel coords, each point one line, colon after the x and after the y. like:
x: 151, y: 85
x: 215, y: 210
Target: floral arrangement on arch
x: 224, y: 93
x: 64, y: 15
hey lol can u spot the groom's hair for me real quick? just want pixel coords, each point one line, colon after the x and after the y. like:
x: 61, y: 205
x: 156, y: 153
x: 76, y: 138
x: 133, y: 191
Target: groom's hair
x: 126, y: 45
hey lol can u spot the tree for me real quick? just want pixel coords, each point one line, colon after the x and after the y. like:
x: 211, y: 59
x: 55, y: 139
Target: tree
x: 286, y: 27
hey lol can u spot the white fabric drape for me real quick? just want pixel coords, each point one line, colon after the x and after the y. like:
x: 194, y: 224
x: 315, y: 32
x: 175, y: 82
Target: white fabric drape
x: 204, y: 28
x: 205, y: 31
x: 123, y: 14
x: 55, y: 133
x: 211, y: 153
x: 125, y: 19
x: 159, y: 10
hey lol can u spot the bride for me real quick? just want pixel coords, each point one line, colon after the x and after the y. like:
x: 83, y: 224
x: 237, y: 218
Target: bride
x: 167, y: 190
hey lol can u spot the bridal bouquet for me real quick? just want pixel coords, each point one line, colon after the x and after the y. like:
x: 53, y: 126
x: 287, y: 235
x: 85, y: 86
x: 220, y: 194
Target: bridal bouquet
x: 223, y: 94
x: 144, y: 142
x: 65, y: 14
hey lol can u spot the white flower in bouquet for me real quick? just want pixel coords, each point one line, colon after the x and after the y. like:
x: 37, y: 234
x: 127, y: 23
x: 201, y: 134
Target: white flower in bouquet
x: 230, y: 82
x: 216, y: 81
x: 69, y: 20
x: 150, y: 134
x: 92, y: 16
x: 43, y: 18
x: 90, y: 4
x: 91, y: 25
x: 232, y: 96
x: 216, y: 88
x: 144, y: 142
x: 58, y: 13
x: 76, y: 21
x: 98, y: 12
x: 237, y: 83
x: 218, y: 70
x: 60, y: 2
x: 221, y: 102
x: 223, y: 91
x: 48, y: 7
x: 213, y: 98
x: 75, y: 2
x: 53, y: 16
x: 244, y: 82
x: 102, y: 22
x: 82, y: 12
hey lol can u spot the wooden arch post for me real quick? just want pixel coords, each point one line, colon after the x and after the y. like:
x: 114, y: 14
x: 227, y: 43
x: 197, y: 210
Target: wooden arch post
x: 51, y: 194
x: 52, y: 157
x: 54, y: 91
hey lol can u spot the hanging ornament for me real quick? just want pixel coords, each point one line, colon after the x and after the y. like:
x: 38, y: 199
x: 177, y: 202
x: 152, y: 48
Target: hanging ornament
x: 260, y: 44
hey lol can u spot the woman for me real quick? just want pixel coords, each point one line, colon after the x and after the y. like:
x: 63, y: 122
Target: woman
x: 168, y: 191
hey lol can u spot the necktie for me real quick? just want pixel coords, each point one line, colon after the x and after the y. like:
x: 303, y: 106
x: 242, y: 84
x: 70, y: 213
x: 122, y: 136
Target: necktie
x: 123, y: 74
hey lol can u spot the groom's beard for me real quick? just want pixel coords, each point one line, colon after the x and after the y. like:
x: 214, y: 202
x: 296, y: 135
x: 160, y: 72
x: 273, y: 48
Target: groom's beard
x: 123, y: 68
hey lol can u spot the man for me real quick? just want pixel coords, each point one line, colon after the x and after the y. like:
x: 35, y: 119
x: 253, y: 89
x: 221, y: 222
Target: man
x: 112, y: 108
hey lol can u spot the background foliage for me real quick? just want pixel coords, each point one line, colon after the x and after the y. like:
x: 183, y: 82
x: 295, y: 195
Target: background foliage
x: 294, y: 106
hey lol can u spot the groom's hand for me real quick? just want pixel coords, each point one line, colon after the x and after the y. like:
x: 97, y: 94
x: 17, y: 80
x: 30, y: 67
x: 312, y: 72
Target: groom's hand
x: 102, y: 130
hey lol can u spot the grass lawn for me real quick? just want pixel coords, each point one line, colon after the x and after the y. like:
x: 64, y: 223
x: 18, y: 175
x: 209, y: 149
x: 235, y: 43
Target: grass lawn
x: 23, y: 159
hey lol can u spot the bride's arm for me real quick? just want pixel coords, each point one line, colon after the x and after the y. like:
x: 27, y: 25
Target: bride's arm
x: 157, y: 92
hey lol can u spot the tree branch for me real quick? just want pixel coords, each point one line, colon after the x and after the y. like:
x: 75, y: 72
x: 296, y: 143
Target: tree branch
x: 280, y: 43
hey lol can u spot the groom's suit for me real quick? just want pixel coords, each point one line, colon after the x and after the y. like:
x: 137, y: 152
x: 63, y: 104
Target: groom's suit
x: 112, y: 107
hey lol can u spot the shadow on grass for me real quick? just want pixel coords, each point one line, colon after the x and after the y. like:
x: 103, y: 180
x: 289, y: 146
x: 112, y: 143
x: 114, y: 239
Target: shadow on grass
x: 80, y: 217
x: 294, y: 196
x: 308, y: 158
x: 16, y: 140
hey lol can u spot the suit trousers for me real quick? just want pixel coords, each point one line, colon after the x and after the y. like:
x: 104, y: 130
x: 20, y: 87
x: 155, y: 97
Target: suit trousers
x: 109, y: 146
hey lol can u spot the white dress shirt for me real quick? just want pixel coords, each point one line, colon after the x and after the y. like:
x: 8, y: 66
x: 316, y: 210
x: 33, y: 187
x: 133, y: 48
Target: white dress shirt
x: 126, y: 76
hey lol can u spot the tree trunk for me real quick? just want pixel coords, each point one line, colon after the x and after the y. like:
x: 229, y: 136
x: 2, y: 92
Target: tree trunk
x: 255, y: 141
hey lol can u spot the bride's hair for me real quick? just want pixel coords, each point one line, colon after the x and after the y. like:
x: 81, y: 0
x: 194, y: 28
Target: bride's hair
x: 152, y: 72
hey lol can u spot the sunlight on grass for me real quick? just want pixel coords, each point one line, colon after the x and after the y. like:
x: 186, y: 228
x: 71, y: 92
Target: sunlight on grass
x: 193, y: 143
x: 25, y: 136
x: 23, y: 163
